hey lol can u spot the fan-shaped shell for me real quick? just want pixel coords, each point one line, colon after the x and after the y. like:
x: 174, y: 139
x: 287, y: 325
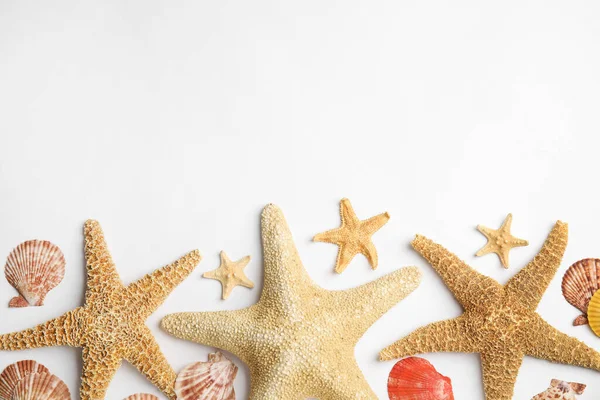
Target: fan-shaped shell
x: 41, y: 387
x: 579, y: 284
x: 14, y: 373
x: 561, y: 390
x: 212, y: 380
x: 415, y: 378
x: 593, y: 313
x: 142, y: 396
x: 34, y: 268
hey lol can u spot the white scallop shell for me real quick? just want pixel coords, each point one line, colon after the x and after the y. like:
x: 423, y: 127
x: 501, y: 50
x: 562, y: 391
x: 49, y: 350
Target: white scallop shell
x: 142, y: 396
x: 561, y: 390
x: 34, y: 268
x: 14, y: 373
x: 212, y: 380
x: 41, y: 387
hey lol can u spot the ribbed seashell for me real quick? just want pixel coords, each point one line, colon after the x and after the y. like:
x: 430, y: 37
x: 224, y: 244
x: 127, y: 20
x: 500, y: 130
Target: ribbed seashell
x: 414, y: 378
x: 593, y: 313
x: 211, y: 380
x: 34, y: 268
x: 41, y: 387
x: 561, y: 390
x: 142, y: 396
x: 579, y: 284
x: 14, y: 373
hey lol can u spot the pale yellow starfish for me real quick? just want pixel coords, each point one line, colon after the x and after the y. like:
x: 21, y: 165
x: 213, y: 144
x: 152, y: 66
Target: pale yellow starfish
x: 299, y: 339
x: 500, y: 322
x: 353, y: 237
x: 110, y: 326
x: 500, y: 241
x: 230, y: 274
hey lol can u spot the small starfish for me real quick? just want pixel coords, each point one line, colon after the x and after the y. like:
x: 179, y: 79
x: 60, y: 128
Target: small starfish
x: 299, y: 339
x: 500, y: 241
x: 230, y: 274
x: 500, y: 322
x: 353, y: 237
x: 110, y: 326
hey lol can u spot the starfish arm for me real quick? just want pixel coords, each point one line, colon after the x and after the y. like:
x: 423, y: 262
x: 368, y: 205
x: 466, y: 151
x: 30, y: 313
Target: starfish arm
x: 148, y: 293
x: 243, y: 262
x: 334, y: 386
x: 347, y: 213
x: 370, y: 252
x: 532, y: 281
x: 487, y: 249
x: 223, y: 329
x: 344, y: 258
x: 516, y: 242
x: 485, y: 231
x: 224, y: 258
x: 467, y: 285
x: 360, y: 307
x: 443, y: 336
x: 503, y: 256
x: 61, y: 331
x: 506, y: 225
x: 284, y: 274
x: 546, y: 342
x: 375, y: 223
x: 102, y: 276
x: 500, y: 369
x: 245, y: 282
x: 210, y: 274
x: 99, y: 367
x: 146, y: 356
x: 227, y: 289
x: 335, y: 236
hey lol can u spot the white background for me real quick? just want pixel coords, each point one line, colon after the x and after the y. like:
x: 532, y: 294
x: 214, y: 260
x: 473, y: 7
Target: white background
x: 174, y: 122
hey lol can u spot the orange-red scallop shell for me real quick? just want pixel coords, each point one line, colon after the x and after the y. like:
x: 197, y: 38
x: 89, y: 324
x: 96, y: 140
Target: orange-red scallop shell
x: 415, y: 378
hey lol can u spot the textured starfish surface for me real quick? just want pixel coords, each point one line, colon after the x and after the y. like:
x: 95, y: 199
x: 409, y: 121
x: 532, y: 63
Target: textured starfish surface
x: 353, y: 237
x: 499, y: 322
x: 299, y: 339
x: 230, y: 274
x: 500, y: 241
x: 110, y: 326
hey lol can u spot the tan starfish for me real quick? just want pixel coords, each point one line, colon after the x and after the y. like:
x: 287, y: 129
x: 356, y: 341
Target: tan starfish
x: 500, y: 241
x: 353, y: 237
x: 230, y: 274
x: 299, y: 339
x: 500, y: 322
x: 110, y: 326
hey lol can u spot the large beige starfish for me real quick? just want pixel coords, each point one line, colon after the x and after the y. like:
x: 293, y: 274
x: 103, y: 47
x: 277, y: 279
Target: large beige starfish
x: 499, y: 322
x: 299, y: 339
x: 500, y: 241
x: 110, y: 326
x: 230, y: 274
x: 354, y: 236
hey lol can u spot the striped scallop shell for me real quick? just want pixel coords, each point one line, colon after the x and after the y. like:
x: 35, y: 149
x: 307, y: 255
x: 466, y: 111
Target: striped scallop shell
x: 34, y: 268
x: 579, y: 284
x: 561, y: 390
x: 414, y: 378
x: 41, y: 387
x: 211, y: 380
x: 142, y: 396
x: 14, y: 373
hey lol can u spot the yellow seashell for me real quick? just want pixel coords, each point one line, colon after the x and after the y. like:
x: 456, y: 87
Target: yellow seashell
x: 594, y: 313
